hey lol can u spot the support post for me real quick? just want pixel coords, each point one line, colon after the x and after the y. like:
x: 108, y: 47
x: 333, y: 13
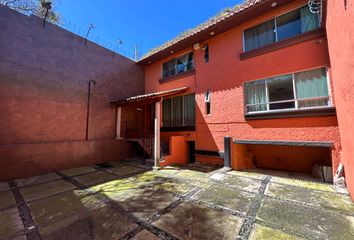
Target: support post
x: 118, y: 123
x: 227, y: 152
x: 157, y: 136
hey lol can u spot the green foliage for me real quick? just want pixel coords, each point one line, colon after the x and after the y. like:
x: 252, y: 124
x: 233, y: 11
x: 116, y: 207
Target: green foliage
x: 34, y: 7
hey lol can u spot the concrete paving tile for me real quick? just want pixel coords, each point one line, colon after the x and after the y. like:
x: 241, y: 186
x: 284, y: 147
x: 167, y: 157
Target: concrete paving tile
x: 102, y: 223
x: 308, y: 222
x: 10, y: 223
x: 145, y: 235
x: 77, y: 171
x: 45, y: 189
x: 244, y: 183
x: 37, y: 179
x: 7, y: 199
x: 324, y: 199
x: 94, y: 178
x: 59, y: 207
x: 124, y: 170
x: 192, y: 221
x: 144, y: 201
x: 247, y: 174
x: 260, y: 232
x: 305, y: 184
x: 229, y: 198
x: 4, y: 186
x: 192, y: 174
x: 169, y: 170
x: 120, y: 186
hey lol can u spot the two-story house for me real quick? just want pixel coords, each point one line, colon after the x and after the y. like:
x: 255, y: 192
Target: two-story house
x: 250, y: 88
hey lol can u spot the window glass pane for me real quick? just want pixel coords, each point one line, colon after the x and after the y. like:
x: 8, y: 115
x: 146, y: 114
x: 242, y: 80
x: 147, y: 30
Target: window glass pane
x: 288, y: 25
x: 311, y: 84
x: 177, y: 111
x: 178, y: 65
x: 189, y: 110
x: 166, y: 112
x: 169, y: 68
x: 309, y: 20
x: 259, y: 36
x: 280, y: 89
x: 255, y: 93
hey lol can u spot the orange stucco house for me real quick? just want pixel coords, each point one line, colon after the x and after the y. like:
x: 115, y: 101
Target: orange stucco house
x: 253, y: 87
x: 268, y: 84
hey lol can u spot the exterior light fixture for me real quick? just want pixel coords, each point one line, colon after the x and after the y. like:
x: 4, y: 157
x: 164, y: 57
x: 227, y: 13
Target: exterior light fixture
x: 47, y: 6
x: 274, y: 4
x: 172, y: 51
x: 212, y: 33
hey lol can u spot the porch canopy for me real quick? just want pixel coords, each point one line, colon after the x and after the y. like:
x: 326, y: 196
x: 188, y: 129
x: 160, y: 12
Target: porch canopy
x: 149, y: 97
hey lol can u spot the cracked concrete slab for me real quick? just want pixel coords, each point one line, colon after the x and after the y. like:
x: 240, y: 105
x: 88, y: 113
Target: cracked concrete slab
x: 77, y: 171
x: 37, y: 179
x: 94, y: 178
x: 10, y: 223
x: 102, y: 223
x: 7, y: 199
x: 45, y: 189
x: 229, y: 198
x: 323, y: 199
x: 59, y: 207
x: 245, y: 183
x: 260, y: 232
x: 192, y: 221
x: 308, y: 222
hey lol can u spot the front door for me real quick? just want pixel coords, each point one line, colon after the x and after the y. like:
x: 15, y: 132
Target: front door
x: 191, y: 152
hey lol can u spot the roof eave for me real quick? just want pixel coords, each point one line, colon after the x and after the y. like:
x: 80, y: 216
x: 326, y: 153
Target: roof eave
x: 218, y: 28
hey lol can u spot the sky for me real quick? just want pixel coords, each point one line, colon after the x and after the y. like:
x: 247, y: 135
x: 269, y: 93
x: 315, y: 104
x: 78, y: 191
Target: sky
x: 145, y: 23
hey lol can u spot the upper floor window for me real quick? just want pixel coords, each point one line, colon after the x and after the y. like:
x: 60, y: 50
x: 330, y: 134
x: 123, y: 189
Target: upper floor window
x: 178, y: 111
x: 178, y: 65
x: 285, y: 26
x: 291, y: 91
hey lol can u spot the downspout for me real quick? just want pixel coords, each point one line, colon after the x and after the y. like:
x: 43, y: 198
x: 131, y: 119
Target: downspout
x: 88, y: 107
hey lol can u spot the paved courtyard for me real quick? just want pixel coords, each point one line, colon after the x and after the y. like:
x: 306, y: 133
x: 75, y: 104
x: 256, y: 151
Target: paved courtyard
x: 126, y: 200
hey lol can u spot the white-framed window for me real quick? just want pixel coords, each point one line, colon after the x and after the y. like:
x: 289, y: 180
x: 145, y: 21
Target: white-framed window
x: 207, y: 99
x: 306, y: 89
x: 279, y: 28
x: 178, y: 111
x: 178, y: 65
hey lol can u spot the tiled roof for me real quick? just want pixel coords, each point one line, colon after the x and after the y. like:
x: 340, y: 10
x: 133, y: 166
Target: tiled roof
x: 150, y: 96
x: 221, y: 17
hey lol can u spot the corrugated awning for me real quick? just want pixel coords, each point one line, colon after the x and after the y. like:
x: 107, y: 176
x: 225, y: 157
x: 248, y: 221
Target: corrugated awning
x: 149, y: 96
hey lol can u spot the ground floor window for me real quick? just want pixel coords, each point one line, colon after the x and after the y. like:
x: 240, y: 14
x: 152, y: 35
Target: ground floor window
x: 305, y: 89
x: 178, y: 111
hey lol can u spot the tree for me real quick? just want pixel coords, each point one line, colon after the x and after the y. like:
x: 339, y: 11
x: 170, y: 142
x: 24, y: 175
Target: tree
x: 35, y: 7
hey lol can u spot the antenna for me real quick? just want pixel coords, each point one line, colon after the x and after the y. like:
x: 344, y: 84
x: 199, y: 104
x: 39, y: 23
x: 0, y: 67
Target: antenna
x: 136, y: 53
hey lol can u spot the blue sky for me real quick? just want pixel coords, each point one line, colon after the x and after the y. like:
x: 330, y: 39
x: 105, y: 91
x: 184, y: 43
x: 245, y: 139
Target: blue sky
x: 145, y: 23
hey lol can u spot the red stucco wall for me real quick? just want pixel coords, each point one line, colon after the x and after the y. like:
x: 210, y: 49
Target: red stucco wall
x: 340, y: 32
x: 225, y: 73
x: 44, y: 75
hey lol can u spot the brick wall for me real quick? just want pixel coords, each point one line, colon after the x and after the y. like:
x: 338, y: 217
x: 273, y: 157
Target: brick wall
x: 44, y: 77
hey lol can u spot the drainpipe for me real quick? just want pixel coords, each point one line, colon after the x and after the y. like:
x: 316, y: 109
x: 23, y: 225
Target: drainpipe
x: 88, y: 107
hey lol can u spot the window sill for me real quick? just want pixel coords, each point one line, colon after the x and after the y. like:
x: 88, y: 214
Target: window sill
x: 325, y: 111
x: 177, y: 129
x: 176, y: 77
x: 319, y: 32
